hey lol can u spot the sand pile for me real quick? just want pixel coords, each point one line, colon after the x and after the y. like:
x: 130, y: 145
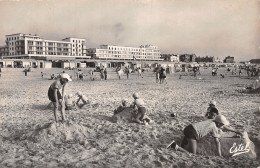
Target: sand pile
x: 231, y: 146
x: 249, y: 91
x: 254, y: 91
x: 58, y: 133
x: 127, y: 115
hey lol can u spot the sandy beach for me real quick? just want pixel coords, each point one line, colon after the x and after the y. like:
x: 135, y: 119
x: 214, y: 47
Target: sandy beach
x: 30, y: 138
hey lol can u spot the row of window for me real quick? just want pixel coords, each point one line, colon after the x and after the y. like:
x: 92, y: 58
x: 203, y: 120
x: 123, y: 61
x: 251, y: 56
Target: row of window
x: 13, y: 38
x: 79, y: 45
x: 133, y: 53
x: 125, y: 49
x: 49, y: 44
x: 77, y: 41
x: 125, y: 57
x: 50, y: 53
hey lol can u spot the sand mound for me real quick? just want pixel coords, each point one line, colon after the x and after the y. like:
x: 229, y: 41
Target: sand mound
x: 250, y: 91
x: 254, y: 91
x: 57, y: 133
x: 231, y: 146
x: 127, y: 115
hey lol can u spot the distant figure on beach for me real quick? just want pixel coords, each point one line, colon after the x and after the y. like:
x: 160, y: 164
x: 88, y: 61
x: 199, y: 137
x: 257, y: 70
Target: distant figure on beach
x: 81, y: 75
x: 248, y: 71
x: 69, y: 102
x: 102, y: 75
x: 83, y: 98
x: 157, y: 75
x: 162, y: 75
x: 121, y: 107
x: 25, y: 71
x: 105, y: 73
x: 42, y: 75
x: 56, y: 97
x: 91, y: 73
x: 127, y: 71
x: 195, y: 69
x: 52, y: 77
x: 0, y: 71
x: 139, y: 70
x: 196, y: 131
x: 223, y: 76
x: 120, y: 72
x: 212, y: 111
x: 139, y: 104
x: 214, y: 71
x: 239, y: 72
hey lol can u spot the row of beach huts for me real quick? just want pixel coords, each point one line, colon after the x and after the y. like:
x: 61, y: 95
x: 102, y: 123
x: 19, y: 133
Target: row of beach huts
x: 179, y: 66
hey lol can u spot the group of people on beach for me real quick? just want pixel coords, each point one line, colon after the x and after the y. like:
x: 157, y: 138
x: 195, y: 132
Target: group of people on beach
x: 213, y: 124
x: 67, y: 103
x: 160, y: 74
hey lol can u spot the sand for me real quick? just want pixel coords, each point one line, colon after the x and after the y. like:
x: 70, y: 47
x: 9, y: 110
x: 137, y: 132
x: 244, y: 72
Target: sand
x: 91, y: 138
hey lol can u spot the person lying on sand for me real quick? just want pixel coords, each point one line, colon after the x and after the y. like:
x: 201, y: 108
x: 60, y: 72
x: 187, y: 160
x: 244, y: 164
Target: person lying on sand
x: 198, y: 130
x: 56, y: 97
x: 212, y: 111
x: 83, y: 98
x: 70, y: 103
x: 139, y: 104
x: 121, y: 107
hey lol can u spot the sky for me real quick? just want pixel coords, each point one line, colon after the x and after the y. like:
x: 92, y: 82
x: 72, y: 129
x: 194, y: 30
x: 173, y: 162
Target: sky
x: 217, y: 28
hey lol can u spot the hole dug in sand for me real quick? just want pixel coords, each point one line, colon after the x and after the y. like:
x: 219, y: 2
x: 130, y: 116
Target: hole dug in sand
x: 231, y: 146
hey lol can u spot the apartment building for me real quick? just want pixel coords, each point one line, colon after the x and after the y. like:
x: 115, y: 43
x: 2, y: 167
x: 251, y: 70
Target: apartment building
x: 26, y: 45
x: 205, y: 59
x: 112, y: 52
x: 171, y: 57
x: 187, y: 57
x: 78, y: 47
x: 229, y: 59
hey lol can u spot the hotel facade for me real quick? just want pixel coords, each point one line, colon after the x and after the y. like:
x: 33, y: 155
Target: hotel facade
x: 32, y: 46
x: 112, y: 52
x: 21, y: 45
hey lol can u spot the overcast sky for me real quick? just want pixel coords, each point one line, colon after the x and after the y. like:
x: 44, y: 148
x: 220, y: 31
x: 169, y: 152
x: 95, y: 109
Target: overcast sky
x: 217, y: 28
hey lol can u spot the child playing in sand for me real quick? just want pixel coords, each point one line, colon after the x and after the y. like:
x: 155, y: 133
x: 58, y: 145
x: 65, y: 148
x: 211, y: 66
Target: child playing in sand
x: 83, y: 98
x: 139, y: 103
x: 196, y: 131
x: 212, y: 111
x: 121, y: 107
x: 56, y: 97
x: 69, y: 103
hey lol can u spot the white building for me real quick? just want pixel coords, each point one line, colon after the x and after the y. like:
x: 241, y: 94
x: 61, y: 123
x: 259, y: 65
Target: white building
x: 112, y: 52
x: 174, y: 58
x: 32, y: 46
x: 78, y: 46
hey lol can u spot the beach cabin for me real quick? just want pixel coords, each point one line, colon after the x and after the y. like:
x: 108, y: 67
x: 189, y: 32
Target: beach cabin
x: 47, y: 64
x: 68, y: 65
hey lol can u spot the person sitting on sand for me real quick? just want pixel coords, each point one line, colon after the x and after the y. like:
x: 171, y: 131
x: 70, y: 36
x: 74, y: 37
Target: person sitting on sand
x: 52, y: 77
x: 196, y: 131
x: 139, y: 103
x: 83, y: 98
x: 121, y: 107
x: 212, y: 111
x: 56, y: 97
x: 69, y: 103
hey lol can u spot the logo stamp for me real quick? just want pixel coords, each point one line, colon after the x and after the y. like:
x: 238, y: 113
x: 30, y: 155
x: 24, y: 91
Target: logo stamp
x: 239, y: 149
